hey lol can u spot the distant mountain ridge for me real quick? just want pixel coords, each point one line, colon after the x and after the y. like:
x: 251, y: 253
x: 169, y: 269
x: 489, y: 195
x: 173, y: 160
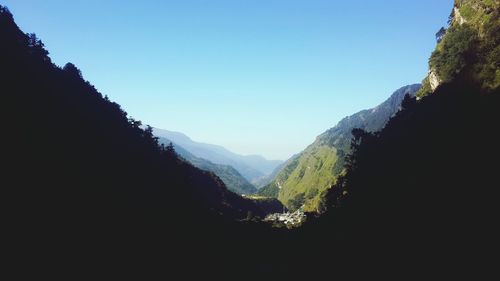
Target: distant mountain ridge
x: 252, y: 167
x: 370, y: 120
x: 305, y: 177
x: 233, y: 180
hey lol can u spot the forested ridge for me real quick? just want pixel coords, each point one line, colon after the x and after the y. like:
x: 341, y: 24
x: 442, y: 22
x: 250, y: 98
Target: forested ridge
x: 83, y: 180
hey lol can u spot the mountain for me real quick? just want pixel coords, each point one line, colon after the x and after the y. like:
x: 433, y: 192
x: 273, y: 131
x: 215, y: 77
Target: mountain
x: 423, y: 190
x: 370, y: 120
x: 83, y: 182
x: 86, y: 191
x: 424, y: 184
x: 252, y: 167
x: 265, y: 180
x: 230, y: 176
x: 306, y: 177
x: 67, y: 130
x: 469, y: 45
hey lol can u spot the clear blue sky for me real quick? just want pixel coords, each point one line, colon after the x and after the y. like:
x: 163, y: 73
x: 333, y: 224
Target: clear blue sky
x: 258, y: 77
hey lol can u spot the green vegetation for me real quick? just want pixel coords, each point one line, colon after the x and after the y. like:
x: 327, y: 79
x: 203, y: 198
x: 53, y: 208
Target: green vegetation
x: 231, y: 178
x: 297, y: 201
x: 477, y: 12
x: 455, y: 52
x: 304, y: 178
x: 425, y: 89
x: 312, y: 174
x: 270, y: 190
x: 487, y: 67
x: 470, y: 47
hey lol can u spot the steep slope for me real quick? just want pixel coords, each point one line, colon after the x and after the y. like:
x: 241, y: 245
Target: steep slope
x: 230, y: 176
x: 422, y: 186
x: 424, y: 189
x: 252, y: 167
x: 82, y: 135
x: 303, y: 180
x: 470, y: 46
x: 78, y: 165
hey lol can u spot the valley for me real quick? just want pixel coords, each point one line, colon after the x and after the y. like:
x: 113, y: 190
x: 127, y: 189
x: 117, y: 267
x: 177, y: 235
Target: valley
x: 407, y: 188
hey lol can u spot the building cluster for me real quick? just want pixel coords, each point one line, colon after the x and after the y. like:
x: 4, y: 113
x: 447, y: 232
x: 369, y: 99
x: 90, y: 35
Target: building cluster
x: 287, y: 218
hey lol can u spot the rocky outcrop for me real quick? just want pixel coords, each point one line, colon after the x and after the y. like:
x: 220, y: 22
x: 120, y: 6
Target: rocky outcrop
x: 434, y: 79
x: 457, y: 17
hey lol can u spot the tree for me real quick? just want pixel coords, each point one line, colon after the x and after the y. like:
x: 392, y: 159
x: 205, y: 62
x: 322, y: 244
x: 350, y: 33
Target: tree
x: 457, y: 52
x: 150, y: 137
x: 37, y: 47
x: 135, y: 123
x: 408, y: 102
x: 5, y: 11
x: 451, y: 16
x: 72, y: 70
x: 170, y: 149
x: 440, y: 34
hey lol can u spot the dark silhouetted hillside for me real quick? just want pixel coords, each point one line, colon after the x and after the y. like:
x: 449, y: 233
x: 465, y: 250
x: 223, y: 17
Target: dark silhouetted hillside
x: 84, y: 184
x: 423, y: 191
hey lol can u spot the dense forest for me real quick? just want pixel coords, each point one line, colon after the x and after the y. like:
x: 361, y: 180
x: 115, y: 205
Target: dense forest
x: 87, y: 190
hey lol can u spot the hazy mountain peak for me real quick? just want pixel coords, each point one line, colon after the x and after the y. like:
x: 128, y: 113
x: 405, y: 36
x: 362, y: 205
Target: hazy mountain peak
x: 252, y: 167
